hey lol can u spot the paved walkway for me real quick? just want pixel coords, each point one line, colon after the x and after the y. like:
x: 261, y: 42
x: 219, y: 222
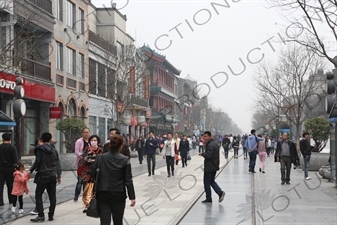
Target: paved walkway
x: 261, y: 199
x: 250, y: 198
x: 160, y: 200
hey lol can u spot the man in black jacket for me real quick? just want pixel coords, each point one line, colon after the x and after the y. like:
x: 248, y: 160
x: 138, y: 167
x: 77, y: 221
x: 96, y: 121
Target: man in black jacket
x: 211, y: 165
x: 48, y: 168
x: 8, y: 157
x: 306, y: 153
x: 285, y: 154
x: 139, y: 146
x: 225, y: 145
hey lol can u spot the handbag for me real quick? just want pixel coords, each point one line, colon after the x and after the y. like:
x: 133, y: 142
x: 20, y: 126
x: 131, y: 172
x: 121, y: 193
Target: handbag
x: 177, y: 157
x: 92, y: 210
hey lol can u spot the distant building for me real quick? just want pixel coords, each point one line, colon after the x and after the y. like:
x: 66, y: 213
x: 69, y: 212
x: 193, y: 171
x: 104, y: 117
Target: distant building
x: 162, y: 96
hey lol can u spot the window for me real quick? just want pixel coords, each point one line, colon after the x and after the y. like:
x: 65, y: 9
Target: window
x: 92, y: 124
x: 81, y: 66
x: 120, y: 48
x: 31, y: 130
x: 71, y: 83
x: 110, y: 125
x: 59, y: 80
x: 111, y: 80
x: 92, y: 77
x: 71, y: 108
x: 82, y: 21
x: 59, y: 56
x: 71, y: 14
x: 59, y: 9
x: 101, y: 128
x: 81, y: 86
x: 101, y: 80
x: 71, y: 63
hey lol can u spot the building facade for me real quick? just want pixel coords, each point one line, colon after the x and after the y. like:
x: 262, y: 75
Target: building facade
x: 162, y: 92
x: 70, y: 62
x: 111, y: 57
x: 25, y: 43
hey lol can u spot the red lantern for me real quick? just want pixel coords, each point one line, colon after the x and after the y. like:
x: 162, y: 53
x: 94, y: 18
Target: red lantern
x: 134, y: 121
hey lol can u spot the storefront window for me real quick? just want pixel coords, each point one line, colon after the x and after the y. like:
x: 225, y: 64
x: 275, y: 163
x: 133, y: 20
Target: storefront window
x: 92, y: 125
x: 30, y: 132
x: 101, y: 130
x: 110, y: 125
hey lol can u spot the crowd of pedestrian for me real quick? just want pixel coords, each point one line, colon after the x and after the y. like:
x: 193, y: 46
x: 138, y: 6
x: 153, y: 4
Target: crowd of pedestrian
x: 113, y: 160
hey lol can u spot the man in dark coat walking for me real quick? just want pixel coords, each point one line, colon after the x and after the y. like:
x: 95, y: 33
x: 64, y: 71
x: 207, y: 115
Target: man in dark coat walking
x: 139, y: 146
x: 211, y: 165
x: 285, y: 154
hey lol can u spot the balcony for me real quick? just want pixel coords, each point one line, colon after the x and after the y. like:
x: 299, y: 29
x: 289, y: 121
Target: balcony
x: 140, y: 102
x: 33, y: 68
x: 96, y: 39
x: 43, y: 4
x: 38, y: 14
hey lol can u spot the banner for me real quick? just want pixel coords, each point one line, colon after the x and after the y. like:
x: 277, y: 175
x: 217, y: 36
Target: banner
x: 132, y: 80
x: 54, y: 112
x: 147, y: 87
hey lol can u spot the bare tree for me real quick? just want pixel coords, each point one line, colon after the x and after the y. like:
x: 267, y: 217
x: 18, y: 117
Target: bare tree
x: 121, y: 80
x: 22, y: 43
x: 287, y: 85
x: 313, y: 23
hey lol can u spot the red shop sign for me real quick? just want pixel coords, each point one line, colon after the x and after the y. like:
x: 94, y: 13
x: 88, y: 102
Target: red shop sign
x: 32, y: 90
x: 55, y: 112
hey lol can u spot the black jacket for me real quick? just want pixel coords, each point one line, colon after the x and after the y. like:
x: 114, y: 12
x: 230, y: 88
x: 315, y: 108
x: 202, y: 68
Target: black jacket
x: 115, y: 174
x: 142, y: 144
x: 184, y: 147
x: 225, y: 142
x: 292, y: 149
x: 212, y: 157
x: 8, y: 155
x: 47, y: 160
x: 305, y: 147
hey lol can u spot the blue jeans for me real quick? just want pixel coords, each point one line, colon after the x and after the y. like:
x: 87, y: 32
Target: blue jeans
x: 210, y: 182
x: 79, y: 184
x: 245, y: 152
x: 252, y: 160
x: 306, y: 163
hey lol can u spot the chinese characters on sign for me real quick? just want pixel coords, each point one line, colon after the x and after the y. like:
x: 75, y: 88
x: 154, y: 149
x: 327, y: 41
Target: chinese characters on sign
x: 132, y: 80
x: 147, y: 87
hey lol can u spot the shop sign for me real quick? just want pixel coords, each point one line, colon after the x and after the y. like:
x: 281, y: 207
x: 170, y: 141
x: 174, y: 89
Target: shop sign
x: 55, y: 112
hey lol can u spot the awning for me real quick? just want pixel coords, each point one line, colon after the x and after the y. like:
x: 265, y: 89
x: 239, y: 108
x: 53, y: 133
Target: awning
x: 6, y: 121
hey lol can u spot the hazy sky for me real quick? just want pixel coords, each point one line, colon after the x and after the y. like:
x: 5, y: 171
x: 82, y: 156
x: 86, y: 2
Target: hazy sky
x: 214, y: 47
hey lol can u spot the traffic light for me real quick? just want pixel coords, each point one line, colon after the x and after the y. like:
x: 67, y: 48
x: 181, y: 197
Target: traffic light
x: 19, y: 105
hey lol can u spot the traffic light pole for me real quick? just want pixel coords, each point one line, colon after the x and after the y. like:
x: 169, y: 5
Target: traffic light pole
x: 17, y: 135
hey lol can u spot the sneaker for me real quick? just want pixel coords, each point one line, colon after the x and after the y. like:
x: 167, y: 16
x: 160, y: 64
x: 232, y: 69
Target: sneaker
x: 20, y: 211
x: 222, y: 196
x: 263, y: 172
x: 34, y: 212
x: 260, y: 170
x: 206, y: 201
x: 308, y: 178
x: 13, y: 209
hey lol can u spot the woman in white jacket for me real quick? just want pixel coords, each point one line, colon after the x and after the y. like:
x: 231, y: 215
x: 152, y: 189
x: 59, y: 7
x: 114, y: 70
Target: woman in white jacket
x: 169, y: 151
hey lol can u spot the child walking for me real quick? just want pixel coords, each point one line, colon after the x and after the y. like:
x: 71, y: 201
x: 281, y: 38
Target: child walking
x: 20, y: 185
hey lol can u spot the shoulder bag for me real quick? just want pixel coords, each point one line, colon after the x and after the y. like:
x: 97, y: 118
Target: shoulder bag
x: 92, y: 210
